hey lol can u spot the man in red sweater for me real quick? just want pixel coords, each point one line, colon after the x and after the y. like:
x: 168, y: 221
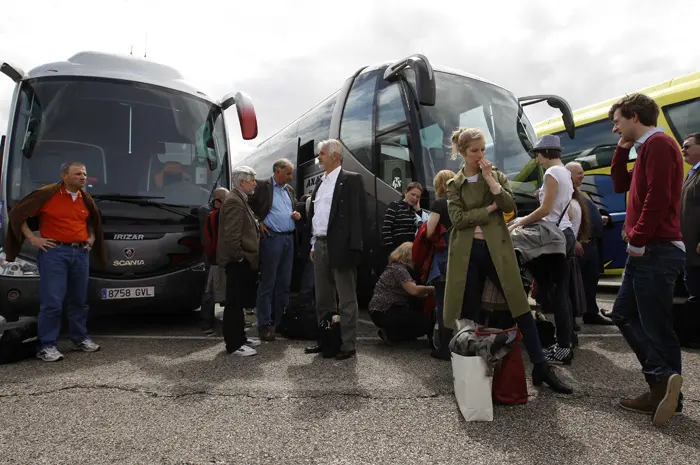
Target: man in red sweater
x: 642, y: 309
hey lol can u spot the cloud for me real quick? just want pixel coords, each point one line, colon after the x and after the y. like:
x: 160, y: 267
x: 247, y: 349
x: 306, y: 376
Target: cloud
x: 290, y: 55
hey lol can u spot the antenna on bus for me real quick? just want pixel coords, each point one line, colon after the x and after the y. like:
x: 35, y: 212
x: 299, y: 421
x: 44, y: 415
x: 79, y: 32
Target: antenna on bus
x: 131, y: 49
x: 145, y: 46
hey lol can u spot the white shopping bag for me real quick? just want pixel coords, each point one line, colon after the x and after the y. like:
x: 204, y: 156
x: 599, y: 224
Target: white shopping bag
x: 472, y: 387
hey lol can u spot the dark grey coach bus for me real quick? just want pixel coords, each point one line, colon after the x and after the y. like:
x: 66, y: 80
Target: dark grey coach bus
x: 154, y: 149
x: 395, y: 122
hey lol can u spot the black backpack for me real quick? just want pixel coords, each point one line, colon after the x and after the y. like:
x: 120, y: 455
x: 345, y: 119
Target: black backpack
x: 299, y: 321
x: 18, y: 339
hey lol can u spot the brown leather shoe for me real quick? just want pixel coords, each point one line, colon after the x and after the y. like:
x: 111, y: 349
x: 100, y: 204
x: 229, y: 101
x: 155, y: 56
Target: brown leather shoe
x: 664, y: 396
x: 641, y: 404
x: 267, y: 334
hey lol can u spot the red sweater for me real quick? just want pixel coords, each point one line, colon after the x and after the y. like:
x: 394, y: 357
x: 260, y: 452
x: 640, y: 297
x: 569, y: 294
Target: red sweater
x: 654, y: 185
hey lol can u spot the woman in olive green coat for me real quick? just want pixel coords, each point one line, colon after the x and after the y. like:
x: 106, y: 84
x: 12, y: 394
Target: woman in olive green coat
x: 480, y: 247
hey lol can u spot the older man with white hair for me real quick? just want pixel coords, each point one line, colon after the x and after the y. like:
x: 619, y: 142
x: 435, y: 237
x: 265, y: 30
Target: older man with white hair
x: 237, y: 252
x: 337, y: 217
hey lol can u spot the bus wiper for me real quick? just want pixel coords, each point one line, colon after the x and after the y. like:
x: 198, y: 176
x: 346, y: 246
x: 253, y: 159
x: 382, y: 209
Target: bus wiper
x: 145, y: 201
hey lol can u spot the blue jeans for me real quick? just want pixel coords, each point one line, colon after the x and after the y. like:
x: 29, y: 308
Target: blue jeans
x: 643, y: 309
x: 64, y: 278
x: 276, y: 263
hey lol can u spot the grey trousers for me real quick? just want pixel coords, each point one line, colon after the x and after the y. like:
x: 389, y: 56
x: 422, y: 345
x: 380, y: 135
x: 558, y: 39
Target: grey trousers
x: 332, y: 281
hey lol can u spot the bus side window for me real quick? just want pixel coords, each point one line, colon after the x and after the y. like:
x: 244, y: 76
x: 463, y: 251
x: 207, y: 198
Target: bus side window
x: 356, y: 125
x: 394, y: 149
x: 684, y: 118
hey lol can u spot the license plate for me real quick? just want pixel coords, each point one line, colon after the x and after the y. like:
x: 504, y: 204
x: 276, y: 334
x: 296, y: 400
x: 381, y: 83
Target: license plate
x: 128, y: 293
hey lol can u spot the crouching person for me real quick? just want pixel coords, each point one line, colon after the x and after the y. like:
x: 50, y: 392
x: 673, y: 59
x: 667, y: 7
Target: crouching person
x: 70, y: 227
x: 397, y: 303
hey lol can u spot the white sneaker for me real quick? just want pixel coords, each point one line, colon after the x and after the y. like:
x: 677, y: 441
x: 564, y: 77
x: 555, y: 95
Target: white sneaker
x: 253, y: 342
x: 245, y: 351
x: 87, y: 346
x: 49, y: 354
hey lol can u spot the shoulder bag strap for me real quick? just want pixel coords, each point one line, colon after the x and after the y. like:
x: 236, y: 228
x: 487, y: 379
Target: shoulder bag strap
x: 561, y: 217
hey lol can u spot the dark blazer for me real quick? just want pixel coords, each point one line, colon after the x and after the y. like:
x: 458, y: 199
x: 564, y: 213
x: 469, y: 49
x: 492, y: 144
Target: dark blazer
x: 260, y: 200
x: 690, y: 214
x: 346, y: 222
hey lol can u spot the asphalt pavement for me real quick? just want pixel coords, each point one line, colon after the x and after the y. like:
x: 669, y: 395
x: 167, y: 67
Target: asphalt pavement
x: 161, y: 392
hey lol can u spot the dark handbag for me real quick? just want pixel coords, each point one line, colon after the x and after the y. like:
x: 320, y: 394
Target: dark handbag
x: 330, y: 335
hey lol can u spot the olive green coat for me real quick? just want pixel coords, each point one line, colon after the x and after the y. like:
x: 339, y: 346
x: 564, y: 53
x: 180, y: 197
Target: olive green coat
x: 467, y: 204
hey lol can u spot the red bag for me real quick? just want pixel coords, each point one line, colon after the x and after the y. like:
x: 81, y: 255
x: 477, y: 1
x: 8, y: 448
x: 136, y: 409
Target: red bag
x: 509, y: 385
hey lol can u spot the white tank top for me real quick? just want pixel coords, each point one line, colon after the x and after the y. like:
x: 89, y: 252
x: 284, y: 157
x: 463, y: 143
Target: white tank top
x: 564, y: 194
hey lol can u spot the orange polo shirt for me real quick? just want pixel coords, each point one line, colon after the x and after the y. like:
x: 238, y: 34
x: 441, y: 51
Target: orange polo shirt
x: 64, y: 219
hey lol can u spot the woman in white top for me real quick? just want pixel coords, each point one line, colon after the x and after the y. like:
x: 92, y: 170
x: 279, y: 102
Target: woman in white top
x: 551, y: 270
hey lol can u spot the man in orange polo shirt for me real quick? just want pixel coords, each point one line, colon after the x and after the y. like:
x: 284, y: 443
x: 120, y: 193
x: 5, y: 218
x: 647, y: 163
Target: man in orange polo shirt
x: 69, y: 227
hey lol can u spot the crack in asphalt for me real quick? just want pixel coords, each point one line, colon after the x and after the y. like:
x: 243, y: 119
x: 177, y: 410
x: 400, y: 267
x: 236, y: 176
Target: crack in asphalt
x: 204, y: 392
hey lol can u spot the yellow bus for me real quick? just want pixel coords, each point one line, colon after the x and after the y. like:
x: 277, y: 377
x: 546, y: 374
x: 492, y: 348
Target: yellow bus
x: 594, y: 145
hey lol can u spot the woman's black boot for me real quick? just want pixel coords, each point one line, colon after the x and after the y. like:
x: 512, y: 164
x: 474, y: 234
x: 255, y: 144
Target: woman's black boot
x: 542, y: 372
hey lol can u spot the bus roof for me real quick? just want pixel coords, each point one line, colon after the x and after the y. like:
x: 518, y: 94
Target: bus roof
x: 121, y: 67
x: 600, y: 110
x: 367, y: 69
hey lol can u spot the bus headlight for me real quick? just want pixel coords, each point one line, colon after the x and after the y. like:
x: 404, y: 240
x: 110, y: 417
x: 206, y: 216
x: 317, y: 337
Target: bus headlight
x: 18, y: 268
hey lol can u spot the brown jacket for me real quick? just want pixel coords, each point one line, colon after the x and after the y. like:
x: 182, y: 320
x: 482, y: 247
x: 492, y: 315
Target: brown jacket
x: 28, y: 207
x: 690, y: 218
x: 239, y: 236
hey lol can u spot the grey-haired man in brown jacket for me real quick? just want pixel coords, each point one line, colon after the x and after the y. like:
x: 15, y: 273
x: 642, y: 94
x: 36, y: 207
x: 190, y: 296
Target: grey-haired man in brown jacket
x: 237, y: 252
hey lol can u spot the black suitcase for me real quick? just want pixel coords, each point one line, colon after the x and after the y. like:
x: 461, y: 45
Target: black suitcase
x: 18, y: 339
x: 686, y: 322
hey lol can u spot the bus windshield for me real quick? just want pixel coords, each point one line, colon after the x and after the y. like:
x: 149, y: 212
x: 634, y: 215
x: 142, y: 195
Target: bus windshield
x: 465, y: 102
x: 135, y: 140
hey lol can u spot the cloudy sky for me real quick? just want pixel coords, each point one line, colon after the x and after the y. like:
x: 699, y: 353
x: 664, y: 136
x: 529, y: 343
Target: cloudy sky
x: 288, y: 55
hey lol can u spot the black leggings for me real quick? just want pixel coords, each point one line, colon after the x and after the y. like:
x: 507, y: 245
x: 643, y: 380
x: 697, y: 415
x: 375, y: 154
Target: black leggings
x: 551, y: 272
x: 481, y: 267
x: 404, y: 322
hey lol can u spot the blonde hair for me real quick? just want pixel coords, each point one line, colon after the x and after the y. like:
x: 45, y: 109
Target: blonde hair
x: 461, y: 139
x: 440, y: 182
x: 403, y: 254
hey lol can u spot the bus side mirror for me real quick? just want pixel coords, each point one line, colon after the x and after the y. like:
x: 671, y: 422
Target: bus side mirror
x: 13, y: 72
x: 557, y: 102
x: 246, y: 113
x: 425, y: 77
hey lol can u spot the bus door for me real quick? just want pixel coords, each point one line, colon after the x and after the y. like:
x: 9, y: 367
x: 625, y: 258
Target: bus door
x: 309, y: 172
